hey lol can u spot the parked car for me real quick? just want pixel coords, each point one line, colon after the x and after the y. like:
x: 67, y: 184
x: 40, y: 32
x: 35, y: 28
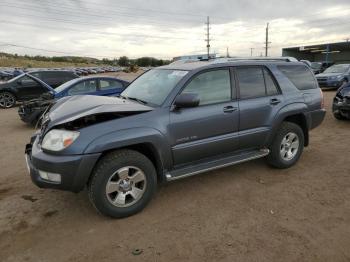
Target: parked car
x: 173, y: 122
x: 341, y: 103
x: 31, y: 111
x: 54, y: 78
x: 334, y: 76
x: 5, y: 76
x: 319, y: 67
x: 26, y: 86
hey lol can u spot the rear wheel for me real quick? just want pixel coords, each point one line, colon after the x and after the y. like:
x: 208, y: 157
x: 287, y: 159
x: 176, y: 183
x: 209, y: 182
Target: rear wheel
x: 7, y: 100
x: 287, y: 146
x: 122, y: 184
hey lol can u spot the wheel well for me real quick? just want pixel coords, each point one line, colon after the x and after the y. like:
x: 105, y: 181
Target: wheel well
x: 9, y: 91
x: 300, y: 120
x: 150, y: 152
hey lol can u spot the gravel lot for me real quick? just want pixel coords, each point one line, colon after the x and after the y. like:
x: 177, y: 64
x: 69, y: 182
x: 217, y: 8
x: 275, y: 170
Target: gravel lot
x: 248, y: 212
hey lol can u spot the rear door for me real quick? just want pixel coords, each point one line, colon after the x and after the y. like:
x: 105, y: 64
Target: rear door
x: 259, y: 101
x: 211, y: 128
x: 109, y: 87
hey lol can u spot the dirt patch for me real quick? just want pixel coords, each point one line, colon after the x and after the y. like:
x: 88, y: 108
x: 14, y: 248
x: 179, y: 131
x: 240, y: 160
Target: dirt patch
x: 29, y: 198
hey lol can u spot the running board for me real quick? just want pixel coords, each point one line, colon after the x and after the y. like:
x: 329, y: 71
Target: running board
x: 215, y: 164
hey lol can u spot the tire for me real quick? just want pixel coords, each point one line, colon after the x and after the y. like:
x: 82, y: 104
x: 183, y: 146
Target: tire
x: 289, y: 142
x: 338, y: 116
x: 7, y: 100
x: 121, y: 172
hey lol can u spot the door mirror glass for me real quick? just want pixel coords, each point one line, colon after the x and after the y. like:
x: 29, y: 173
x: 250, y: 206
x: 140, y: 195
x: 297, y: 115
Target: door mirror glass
x: 187, y: 100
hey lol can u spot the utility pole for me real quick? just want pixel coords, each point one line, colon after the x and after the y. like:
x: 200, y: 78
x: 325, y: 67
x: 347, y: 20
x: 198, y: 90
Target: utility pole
x: 251, y: 51
x: 227, y: 53
x: 267, y: 40
x: 208, y: 36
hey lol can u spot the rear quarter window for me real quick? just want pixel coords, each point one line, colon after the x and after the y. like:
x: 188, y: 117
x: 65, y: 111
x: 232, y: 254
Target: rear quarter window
x: 300, y: 76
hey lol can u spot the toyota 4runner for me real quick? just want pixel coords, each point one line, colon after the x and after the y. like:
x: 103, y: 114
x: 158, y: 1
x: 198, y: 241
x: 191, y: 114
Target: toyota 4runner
x: 173, y: 122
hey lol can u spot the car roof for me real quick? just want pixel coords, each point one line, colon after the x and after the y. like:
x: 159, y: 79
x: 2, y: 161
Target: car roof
x: 194, y: 65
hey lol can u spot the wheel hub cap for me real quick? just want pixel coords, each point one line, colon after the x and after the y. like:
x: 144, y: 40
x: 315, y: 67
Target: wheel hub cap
x: 126, y: 186
x: 289, y: 146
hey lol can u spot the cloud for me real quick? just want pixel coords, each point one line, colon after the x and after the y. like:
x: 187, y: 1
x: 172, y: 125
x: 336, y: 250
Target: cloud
x: 165, y: 29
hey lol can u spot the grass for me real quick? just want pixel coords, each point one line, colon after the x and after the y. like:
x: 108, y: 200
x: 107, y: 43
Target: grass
x: 29, y: 63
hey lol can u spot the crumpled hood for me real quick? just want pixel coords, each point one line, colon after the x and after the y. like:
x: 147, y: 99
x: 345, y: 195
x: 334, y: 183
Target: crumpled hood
x: 71, y: 108
x: 328, y: 74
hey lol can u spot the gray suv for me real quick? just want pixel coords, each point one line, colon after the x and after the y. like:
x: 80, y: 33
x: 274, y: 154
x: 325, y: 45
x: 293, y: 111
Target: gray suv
x: 173, y: 122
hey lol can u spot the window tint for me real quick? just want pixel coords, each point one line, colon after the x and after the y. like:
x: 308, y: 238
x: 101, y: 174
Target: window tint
x: 37, y: 75
x: 212, y: 87
x: 83, y: 88
x: 25, y: 80
x: 299, y: 75
x: 271, y: 88
x: 251, y: 82
x: 109, y: 84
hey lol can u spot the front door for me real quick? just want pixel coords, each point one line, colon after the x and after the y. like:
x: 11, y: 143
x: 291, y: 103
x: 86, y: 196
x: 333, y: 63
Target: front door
x: 211, y: 128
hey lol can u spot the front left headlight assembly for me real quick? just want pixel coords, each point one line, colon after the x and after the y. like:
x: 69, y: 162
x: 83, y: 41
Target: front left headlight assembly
x: 57, y: 139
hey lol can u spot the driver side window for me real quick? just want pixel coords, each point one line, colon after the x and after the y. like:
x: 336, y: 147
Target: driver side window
x: 212, y: 86
x: 83, y: 87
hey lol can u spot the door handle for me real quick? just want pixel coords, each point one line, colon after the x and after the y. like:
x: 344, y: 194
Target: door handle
x: 275, y: 101
x: 229, y: 109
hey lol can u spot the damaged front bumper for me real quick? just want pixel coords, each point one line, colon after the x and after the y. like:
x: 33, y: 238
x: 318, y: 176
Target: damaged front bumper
x: 342, y: 106
x: 73, y: 170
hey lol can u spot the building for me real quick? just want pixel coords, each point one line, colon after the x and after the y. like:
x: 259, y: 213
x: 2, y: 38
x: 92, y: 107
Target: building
x: 331, y: 52
x: 195, y: 57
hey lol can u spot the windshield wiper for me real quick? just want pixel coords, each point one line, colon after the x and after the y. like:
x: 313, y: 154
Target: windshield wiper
x: 137, y: 100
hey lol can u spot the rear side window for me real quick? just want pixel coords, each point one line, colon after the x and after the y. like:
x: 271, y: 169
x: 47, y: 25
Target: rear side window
x: 299, y: 75
x: 271, y: 88
x: 251, y: 82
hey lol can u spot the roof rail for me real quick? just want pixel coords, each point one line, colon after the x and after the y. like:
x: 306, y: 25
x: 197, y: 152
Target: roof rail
x: 277, y: 58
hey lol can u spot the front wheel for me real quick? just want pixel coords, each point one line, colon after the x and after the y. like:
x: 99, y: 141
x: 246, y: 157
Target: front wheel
x: 287, y: 146
x: 7, y: 100
x: 122, y: 184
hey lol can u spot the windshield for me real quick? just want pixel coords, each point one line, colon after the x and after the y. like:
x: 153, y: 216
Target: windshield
x: 315, y: 65
x: 337, y: 69
x: 154, y: 86
x: 65, y: 85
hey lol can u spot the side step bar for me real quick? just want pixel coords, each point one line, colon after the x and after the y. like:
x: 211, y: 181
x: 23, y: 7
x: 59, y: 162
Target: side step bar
x: 215, y: 164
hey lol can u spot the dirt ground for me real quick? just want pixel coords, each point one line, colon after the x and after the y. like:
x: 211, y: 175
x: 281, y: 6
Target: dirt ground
x: 248, y: 212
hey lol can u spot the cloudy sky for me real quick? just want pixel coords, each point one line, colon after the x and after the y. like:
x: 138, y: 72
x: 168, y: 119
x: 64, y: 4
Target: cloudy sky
x: 167, y: 28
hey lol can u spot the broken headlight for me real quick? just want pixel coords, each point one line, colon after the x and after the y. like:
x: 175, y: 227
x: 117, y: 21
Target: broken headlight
x: 57, y: 139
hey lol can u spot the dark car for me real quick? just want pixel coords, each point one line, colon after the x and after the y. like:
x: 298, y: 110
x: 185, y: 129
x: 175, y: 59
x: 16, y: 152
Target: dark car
x: 24, y: 87
x: 319, y: 67
x: 341, y: 103
x: 31, y: 111
x: 334, y: 77
x: 5, y: 75
x: 173, y: 122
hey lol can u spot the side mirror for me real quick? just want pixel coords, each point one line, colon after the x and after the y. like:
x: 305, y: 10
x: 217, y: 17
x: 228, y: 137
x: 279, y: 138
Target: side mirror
x: 187, y: 100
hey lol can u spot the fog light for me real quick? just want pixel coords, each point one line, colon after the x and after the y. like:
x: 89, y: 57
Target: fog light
x: 56, y: 178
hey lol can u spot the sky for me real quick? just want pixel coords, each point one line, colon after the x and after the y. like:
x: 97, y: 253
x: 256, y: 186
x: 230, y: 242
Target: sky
x: 167, y: 28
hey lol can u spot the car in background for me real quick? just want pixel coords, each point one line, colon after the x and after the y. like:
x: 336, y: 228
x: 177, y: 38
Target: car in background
x: 31, y: 111
x: 54, y: 78
x: 341, y: 103
x: 319, y: 67
x: 5, y: 75
x: 334, y: 77
x: 28, y: 86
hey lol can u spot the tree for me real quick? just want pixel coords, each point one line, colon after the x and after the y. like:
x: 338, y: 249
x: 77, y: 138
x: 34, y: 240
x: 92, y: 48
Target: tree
x: 123, y: 61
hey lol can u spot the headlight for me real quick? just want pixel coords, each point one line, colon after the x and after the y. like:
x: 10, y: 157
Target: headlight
x: 57, y: 139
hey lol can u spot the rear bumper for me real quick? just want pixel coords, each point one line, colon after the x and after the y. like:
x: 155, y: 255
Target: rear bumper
x: 74, y: 169
x: 29, y: 117
x: 316, y: 118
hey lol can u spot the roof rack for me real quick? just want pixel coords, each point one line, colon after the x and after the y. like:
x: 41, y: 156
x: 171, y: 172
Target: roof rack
x: 277, y: 58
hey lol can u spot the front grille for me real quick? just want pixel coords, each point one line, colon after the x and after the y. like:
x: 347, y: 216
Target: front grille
x: 322, y: 79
